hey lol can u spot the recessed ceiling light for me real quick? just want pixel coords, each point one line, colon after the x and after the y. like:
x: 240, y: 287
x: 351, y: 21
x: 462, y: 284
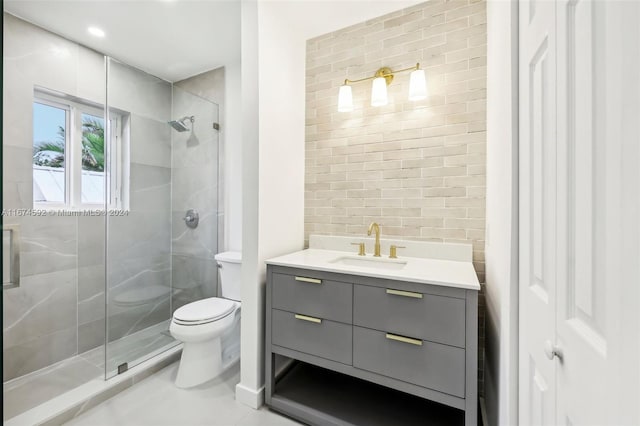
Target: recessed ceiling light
x: 95, y: 31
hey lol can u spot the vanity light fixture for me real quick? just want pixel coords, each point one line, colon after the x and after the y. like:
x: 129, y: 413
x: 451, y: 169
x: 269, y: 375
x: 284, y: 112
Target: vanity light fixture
x: 345, y: 99
x: 381, y: 79
x: 379, y: 92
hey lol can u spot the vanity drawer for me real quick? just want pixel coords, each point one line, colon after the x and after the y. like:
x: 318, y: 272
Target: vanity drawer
x: 315, y: 336
x: 431, y: 365
x: 425, y: 316
x: 317, y: 297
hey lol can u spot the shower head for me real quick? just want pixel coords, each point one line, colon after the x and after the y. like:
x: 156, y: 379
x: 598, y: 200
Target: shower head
x: 180, y: 125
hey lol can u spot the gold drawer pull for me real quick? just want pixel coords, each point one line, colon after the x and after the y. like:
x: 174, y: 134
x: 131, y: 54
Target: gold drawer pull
x: 310, y: 319
x: 404, y: 293
x: 404, y: 339
x: 309, y: 280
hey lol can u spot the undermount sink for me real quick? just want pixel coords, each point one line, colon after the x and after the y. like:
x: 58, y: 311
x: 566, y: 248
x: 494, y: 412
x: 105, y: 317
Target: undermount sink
x: 374, y: 263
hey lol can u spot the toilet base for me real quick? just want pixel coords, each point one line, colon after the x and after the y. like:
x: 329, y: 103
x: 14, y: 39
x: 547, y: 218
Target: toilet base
x: 208, y: 348
x: 200, y: 362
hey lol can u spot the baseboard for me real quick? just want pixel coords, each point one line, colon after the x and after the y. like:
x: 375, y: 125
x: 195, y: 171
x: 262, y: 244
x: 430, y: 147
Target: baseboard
x: 483, y: 412
x: 251, y: 397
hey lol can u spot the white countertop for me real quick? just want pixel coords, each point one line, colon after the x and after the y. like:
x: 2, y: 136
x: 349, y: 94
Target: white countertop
x: 449, y: 273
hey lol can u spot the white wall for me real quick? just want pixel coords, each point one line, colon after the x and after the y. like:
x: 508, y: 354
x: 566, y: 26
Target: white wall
x: 274, y: 35
x: 281, y: 56
x: 249, y: 390
x: 233, y: 158
x: 501, y: 250
x: 274, y: 166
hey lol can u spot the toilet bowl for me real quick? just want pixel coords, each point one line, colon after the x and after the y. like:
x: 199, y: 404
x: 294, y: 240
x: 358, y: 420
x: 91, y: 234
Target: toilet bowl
x: 210, y: 328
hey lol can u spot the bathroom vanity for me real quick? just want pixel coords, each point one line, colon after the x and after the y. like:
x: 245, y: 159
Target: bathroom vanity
x: 407, y: 324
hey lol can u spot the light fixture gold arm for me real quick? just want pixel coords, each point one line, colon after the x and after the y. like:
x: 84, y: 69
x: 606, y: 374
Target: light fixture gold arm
x: 385, y: 72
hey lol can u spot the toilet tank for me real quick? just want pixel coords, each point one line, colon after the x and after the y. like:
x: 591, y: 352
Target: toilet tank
x: 229, y: 263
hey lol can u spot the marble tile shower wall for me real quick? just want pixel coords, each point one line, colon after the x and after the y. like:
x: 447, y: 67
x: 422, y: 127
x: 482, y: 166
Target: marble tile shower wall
x: 58, y: 311
x: 139, y: 244
x: 40, y: 318
x: 195, y: 182
x: 417, y: 168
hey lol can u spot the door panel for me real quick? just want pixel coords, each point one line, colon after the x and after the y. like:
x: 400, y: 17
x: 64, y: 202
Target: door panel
x: 537, y: 211
x: 539, y: 407
x: 581, y: 114
x: 598, y: 72
x: 578, y: 30
x: 579, y: 212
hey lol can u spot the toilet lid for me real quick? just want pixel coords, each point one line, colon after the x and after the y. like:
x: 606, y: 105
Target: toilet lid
x: 204, y: 310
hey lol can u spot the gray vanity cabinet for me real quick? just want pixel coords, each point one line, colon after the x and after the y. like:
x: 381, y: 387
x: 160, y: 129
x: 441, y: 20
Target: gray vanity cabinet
x: 426, y: 316
x: 324, y: 338
x: 428, y: 364
x: 326, y: 299
x: 417, y: 338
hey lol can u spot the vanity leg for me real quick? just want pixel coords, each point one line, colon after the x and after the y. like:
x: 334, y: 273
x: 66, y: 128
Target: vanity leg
x: 269, y: 378
x: 269, y: 370
x: 471, y: 394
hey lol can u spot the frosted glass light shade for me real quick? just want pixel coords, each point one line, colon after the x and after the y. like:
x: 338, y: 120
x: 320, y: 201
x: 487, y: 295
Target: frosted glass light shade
x: 417, y: 86
x: 345, y: 99
x: 379, y: 92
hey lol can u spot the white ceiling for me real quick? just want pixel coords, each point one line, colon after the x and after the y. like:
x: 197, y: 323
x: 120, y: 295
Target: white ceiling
x: 176, y: 39
x: 314, y: 18
x: 172, y: 39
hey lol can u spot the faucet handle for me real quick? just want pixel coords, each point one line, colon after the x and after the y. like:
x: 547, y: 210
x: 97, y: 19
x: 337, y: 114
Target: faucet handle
x: 393, y: 251
x: 360, y: 248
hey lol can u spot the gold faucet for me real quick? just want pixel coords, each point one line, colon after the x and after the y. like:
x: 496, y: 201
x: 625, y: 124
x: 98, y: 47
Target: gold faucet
x: 375, y: 227
x: 360, y: 248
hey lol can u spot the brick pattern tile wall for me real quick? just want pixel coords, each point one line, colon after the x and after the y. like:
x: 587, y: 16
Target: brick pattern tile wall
x: 417, y: 168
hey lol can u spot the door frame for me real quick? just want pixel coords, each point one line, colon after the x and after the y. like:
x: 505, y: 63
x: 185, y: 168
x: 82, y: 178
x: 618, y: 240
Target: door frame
x: 502, y: 245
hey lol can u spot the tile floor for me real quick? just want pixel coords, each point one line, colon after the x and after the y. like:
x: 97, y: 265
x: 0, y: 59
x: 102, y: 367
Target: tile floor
x: 156, y: 401
x: 24, y: 393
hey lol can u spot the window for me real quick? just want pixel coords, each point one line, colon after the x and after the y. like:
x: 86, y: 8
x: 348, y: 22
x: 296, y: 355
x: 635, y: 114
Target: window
x: 69, y: 154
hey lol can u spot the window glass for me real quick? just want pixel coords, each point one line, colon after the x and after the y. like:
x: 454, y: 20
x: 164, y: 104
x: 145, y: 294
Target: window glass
x: 92, y: 184
x: 69, y: 148
x: 49, y: 141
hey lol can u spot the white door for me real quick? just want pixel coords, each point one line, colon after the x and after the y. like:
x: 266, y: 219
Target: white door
x: 598, y: 300
x: 579, y: 212
x: 537, y: 211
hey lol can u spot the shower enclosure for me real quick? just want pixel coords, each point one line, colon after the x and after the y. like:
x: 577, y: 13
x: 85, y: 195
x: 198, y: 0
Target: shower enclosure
x: 105, y: 169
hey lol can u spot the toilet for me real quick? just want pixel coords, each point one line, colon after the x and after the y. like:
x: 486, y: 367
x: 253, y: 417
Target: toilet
x: 210, y: 328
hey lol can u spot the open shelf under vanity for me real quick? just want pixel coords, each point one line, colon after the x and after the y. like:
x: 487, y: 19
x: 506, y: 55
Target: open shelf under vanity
x: 307, y: 392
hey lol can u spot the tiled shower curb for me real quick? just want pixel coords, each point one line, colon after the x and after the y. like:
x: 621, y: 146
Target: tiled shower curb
x: 79, y: 400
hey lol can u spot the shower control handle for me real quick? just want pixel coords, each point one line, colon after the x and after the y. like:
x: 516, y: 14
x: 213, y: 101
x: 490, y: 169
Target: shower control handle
x: 191, y: 219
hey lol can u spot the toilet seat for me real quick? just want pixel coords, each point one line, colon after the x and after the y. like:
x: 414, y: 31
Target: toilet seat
x: 203, y: 311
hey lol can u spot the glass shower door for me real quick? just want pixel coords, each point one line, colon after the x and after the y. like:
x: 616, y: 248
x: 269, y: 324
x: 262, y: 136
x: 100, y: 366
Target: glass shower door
x: 160, y: 254
x: 195, y: 188
x: 53, y: 229
x: 138, y: 243
x: 95, y: 186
